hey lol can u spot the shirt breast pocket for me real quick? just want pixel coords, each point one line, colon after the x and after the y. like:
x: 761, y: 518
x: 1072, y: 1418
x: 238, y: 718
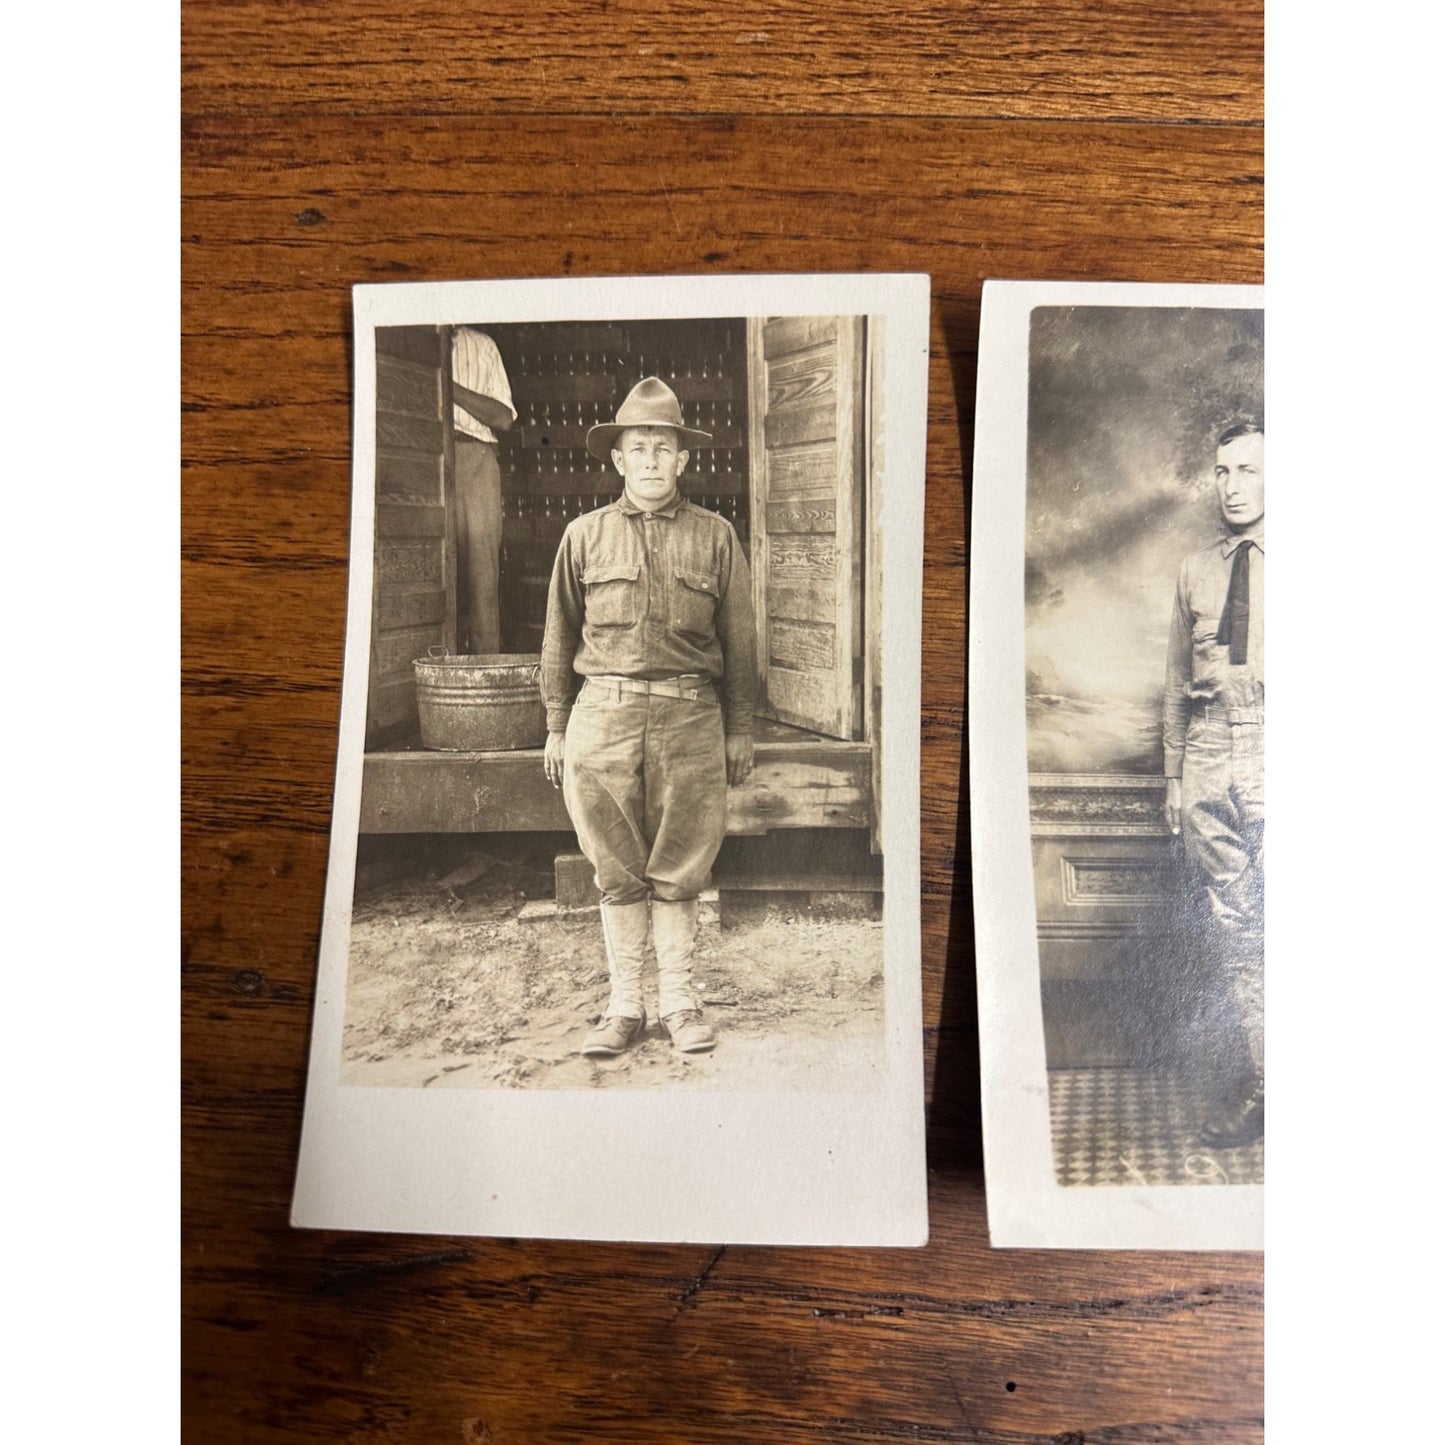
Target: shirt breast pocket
x: 694, y: 603
x: 612, y: 594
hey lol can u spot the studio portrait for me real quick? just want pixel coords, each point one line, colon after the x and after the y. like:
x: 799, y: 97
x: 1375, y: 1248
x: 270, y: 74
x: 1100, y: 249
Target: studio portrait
x: 1144, y: 623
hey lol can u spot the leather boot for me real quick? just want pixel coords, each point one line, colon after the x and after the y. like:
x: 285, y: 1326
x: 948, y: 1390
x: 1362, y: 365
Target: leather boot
x: 674, y: 935
x: 1238, y: 1118
x: 624, y: 931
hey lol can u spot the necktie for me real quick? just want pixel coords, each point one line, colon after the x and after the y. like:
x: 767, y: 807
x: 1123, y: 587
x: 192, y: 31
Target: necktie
x: 1234, y: 620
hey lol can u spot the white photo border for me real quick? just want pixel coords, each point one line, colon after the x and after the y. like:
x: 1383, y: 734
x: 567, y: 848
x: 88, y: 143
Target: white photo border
x: 663, y: 1165
x: 1027, y: 1208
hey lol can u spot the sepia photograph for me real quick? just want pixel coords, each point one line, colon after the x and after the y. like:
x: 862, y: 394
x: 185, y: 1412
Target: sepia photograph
x: 619, y: 821
x: 1139, y: 476
x: 622, y: 804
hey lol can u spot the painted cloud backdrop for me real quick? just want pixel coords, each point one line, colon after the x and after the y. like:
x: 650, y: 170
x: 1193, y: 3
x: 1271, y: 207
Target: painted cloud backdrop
x: 1124, y: 406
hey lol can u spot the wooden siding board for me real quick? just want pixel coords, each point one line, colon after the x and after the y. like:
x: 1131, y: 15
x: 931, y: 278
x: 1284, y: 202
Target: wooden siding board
x: 410, y: 521
x: 803, y: 514
x: 784, y: 335
x: 409, y: 433
x: 410, y: 609
x: 405, y: 388
x: 803, y: 471
x: 806, y: 699
x: 797, y: 425
x: 803, y: 645
x: 805, y: 379
x: 848, y: 589
x: 406, y: 476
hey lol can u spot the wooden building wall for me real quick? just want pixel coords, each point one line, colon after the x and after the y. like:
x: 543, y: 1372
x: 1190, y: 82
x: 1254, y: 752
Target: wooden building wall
x: 414, y: 601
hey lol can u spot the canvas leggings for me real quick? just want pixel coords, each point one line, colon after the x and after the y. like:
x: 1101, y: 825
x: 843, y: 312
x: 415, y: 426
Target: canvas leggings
x: 645, y: 783
x: 1222, y: 794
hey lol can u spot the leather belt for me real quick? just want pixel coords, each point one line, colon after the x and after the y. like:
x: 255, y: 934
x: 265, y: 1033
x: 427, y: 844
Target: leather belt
x: 1212, y: 712
x: 690, y: 686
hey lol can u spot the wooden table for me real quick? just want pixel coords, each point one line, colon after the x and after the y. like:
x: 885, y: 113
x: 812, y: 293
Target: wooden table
x: 329, y: 144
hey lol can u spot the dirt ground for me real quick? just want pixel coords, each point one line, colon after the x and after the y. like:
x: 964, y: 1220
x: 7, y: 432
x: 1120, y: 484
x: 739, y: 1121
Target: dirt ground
x: 450, y: 985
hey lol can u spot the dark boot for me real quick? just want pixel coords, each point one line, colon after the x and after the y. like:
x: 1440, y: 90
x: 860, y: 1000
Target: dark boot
x: 1236, y: 1119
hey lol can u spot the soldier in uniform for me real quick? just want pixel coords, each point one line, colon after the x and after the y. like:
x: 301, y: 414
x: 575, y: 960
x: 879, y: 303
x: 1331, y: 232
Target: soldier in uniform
x: 649, y: 680
x: 1214, y: 755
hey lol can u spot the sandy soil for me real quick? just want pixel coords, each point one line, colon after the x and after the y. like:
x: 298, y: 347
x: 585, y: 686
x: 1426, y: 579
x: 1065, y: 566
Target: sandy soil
x: 449, y: 987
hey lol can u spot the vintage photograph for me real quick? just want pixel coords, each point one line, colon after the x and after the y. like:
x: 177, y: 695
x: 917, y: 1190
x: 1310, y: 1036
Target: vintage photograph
x: 619, y: 814
x: 615, y: 819
x: 1142, y: 672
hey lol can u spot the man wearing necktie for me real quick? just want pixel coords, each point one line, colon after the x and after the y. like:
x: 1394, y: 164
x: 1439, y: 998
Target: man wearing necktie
x: 1214, y: 754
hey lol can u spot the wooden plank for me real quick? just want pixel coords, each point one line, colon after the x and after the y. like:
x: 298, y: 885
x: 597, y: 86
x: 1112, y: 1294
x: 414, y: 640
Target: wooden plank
x: 804, y: 378
x: 409, y: 562
x: 805, y: 471
x: 807, y: 700
x: 411, y: 609
x: 408, y: 476
x: 807, y: 646
x: 759, y: 484
x: 802, y: 883
x: 419, y: 344
x: 794, y: 785
x: 803, y: 514
x: 398, y: 520
x: 1067, y: 60
x: 804, y: 601
x: 803, y: 559
x: 404, y: 388
x: 848, y: 538
x: 802, y: 424
x: 397, y: 648
x: 408, y: 433
x: 784, y: 335
x: 391, y: 705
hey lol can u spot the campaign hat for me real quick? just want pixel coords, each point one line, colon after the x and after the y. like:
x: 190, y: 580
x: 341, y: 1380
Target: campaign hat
x: 651, y: 402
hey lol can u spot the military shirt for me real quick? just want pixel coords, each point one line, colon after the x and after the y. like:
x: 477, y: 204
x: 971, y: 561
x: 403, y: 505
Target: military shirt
x: 650, y: 595
x: 1198, y: 669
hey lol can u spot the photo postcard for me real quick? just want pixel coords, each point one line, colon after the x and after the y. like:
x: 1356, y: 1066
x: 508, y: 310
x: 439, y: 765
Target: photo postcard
x: 621, y: 936
x: 1116, y: 758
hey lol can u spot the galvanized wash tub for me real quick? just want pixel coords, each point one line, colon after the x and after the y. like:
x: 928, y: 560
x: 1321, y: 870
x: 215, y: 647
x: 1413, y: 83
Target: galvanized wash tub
x: 480, y: 703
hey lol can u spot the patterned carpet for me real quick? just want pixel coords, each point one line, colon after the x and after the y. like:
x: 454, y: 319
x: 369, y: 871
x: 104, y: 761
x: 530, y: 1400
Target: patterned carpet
x: 1137, y: 1126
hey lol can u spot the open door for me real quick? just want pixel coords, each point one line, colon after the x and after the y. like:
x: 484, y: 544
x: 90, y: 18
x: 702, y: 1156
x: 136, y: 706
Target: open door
x: 806, y: 454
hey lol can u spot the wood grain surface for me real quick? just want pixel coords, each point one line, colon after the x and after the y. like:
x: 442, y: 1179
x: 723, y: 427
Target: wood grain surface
x: 328, y: 144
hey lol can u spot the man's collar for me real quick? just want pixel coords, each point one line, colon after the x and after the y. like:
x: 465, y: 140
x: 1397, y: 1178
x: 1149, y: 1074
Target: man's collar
x: 629, y: 508
x: 1233, y: 540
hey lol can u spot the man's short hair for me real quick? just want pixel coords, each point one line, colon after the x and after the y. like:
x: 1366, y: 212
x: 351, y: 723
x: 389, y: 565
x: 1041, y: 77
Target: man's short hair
x: 1240, y: 429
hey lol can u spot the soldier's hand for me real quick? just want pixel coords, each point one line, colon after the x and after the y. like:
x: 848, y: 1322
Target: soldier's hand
x: 1173, y: 804
x: 553, y: 758
x: 740, y: 758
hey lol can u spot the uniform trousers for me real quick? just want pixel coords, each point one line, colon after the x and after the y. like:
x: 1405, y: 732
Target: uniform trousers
x: 645, y: 783
x: 1222, y: 796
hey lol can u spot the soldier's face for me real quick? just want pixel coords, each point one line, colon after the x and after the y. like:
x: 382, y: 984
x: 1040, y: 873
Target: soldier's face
x: 650, y: 461
x: 1239, y: 479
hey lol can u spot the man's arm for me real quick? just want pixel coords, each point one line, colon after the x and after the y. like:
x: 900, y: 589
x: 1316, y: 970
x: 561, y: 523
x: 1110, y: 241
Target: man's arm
x: 737, y: 635
x: 487, y: 409
x: 560, y: 641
